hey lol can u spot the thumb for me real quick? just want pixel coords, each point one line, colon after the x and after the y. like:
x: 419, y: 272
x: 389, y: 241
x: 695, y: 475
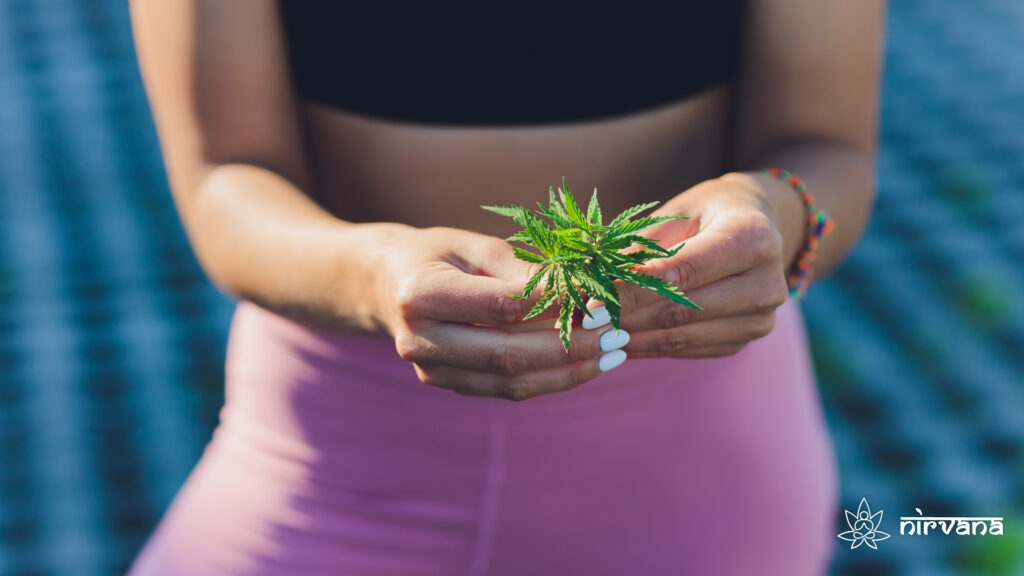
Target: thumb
x: 695, y: 264
x: 709, y: 255
x: 497, y: 259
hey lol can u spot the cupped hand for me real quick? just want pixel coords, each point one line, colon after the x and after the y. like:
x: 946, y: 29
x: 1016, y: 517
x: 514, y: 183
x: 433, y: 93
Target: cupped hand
x: 444, y: 293
x: 732, y: 266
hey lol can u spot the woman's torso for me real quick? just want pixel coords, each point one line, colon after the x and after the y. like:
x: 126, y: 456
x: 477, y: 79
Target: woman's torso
x: 641, y: 111
x: 331, y: 456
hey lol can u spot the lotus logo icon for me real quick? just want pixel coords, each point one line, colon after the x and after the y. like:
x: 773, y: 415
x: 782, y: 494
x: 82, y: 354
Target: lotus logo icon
x: 863, y: 527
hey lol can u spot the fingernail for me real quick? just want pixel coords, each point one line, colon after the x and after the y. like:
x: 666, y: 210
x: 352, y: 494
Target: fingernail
x: 611, y: 360
x: 598, y: 317
x: 613, y: 340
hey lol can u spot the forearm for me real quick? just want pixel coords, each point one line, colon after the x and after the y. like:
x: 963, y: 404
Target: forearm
x: 261, y: 239
x: 841, y: 179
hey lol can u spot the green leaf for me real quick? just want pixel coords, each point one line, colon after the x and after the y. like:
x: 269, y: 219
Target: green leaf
x: 615, y: 313
x: 609, y: 293
x: 594, y: 210
x: 570, y: 288
x: 552, y: 277
x: 630, y: 212
x: 571, y: 239
x: 531, y: 284
x: 542, y: 234
x: 649, y: 243
x: 527, y: 256
x: 671, y: 252
x: 660, y: 286
x: 509, y: 211
x: 612, y: 304
x: 605, y: 265
x: 565, y: 319
x: 581, y: 257
x: 641, y: 224
x: 595, y: 288
x: 561, y: 222
x: 545, y: 302
x: 571, y: 208
x: 521, y: 236
x: 629, y: 259
x: 610, y: 245
x: 554, y: 205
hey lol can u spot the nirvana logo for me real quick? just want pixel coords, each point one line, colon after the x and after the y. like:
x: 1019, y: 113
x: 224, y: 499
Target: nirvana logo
x: 865, y: 526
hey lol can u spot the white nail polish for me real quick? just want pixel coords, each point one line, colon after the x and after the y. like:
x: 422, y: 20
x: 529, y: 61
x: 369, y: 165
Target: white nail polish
x: 611, y: 360
x: 613, y: 340
x: 598, y: 317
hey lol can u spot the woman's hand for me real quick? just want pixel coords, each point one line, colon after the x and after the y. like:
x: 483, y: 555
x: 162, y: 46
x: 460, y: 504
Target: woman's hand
x: 442, y: 294
x: 738, y: 240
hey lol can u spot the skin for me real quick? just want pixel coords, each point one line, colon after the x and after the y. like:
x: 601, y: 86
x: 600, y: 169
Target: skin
x: 298, y: 207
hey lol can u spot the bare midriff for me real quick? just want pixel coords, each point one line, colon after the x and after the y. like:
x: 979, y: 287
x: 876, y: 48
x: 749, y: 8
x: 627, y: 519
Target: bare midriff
x: 371, y: 170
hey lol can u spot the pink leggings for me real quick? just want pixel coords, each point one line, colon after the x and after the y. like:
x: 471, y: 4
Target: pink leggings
x: 332, y: 458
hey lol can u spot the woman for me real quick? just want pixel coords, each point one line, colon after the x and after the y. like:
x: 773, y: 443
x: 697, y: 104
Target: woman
x: 329, y: 168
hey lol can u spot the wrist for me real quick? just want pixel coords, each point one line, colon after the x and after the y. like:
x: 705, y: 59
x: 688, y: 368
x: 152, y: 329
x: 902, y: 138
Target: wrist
x: 364, y: 273
x: 782, y: 204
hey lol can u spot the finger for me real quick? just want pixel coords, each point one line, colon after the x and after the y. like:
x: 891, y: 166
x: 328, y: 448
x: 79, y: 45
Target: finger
x: 721, y: 332
x: 736, y: 295
x: 451, y: 295
x: 489, y: 350
x: 523, y: 386
x: 496, y: 259
x: 727, y: 246
x: 711, y: 352
x: 478, y: 288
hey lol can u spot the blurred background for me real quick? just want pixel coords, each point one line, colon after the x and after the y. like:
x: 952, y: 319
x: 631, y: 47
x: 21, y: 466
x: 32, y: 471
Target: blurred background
x: 112, y: 341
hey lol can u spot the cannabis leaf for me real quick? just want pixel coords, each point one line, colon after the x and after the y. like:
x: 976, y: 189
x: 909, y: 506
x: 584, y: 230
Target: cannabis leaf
x: 580, y: 256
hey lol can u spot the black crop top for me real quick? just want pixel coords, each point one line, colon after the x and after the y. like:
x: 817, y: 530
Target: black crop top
x: 503, y: 64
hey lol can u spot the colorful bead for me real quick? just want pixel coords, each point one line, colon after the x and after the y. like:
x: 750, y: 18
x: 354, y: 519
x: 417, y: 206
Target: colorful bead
x: 818, y: 224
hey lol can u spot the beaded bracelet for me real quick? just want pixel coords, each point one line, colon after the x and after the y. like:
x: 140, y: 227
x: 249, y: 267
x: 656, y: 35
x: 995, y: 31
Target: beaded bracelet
x: 818, y: 224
